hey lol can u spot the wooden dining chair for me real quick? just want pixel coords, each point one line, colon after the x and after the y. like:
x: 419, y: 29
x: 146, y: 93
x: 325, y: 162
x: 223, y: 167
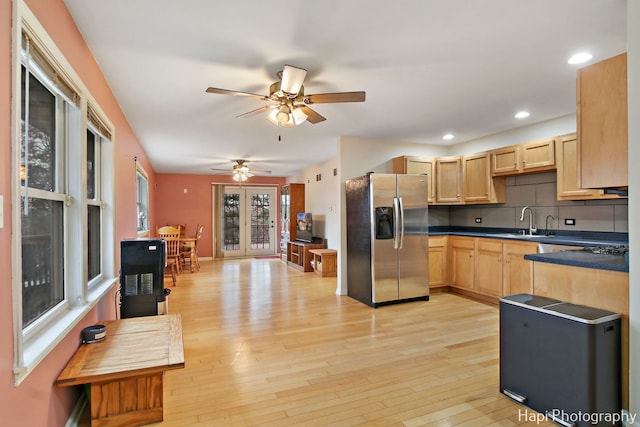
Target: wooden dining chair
x: 171, y: 236
x: 190, y: 250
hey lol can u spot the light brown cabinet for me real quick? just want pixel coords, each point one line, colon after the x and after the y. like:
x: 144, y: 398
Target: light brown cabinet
x: 567, y: 152
x: 505, y: 161
x: 449, y: 180
x: 462, y: 261
x: 478, y: 185
x: 298, y: 255
x: 529, y: 157
x: 291, y: 203
x: 488, y: 267
x: 491, y: 267
x: 602, y: 118
x: 517, y: 273
x: 419, y: 166
x: 437, y: 261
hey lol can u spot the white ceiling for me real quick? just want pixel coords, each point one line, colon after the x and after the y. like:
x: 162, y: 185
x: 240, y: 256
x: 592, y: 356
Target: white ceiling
x: 428, y: 67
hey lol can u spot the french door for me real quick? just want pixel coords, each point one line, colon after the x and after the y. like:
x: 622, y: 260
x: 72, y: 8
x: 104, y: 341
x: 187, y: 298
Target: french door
x: 248, y: 221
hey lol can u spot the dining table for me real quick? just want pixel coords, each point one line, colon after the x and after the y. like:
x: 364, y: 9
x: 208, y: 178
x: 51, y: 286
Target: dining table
x: 188, y: 245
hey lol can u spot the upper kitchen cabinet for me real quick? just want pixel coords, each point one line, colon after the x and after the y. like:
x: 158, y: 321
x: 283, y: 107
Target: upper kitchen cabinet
x: 567, y: 149
x: 533, y: 156
x: 449, y: 180
x: 479, y: 186
x: 420, y: 166
x: 601, y: 91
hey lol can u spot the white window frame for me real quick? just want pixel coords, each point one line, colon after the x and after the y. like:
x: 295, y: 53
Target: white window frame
x: 33, y: 343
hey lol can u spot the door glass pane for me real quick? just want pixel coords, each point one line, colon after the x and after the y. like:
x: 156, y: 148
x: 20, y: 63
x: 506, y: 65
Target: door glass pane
x: 260, y: 221
x: 42, y: 258
x: 231, y: 222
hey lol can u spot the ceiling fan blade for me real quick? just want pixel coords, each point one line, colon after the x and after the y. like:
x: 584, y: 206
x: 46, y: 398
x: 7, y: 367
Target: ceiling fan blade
x: 235, y: 92
x: 292, y: 78
x: 256, y: 111
x: 312, y: 116
x: 259, y: 172
x: 324, y: 98
x: 221, y: 171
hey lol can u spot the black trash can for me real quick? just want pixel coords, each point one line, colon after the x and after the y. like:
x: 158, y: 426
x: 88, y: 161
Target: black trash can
x: 561, y: 359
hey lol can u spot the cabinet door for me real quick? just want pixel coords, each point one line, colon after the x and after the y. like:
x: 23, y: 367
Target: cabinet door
x: 488, y: 267
x: 462, y: 250
x: 437, y: 261
x: 449, y: 180
x: 518, y: 273
x: 505, y: 161
x: 569, y: 170
x: 602, y: 123
x: 419, y: 166
x: 538, y: 155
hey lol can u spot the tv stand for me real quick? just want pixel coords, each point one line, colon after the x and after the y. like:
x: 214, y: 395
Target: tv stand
x: 298, y: 255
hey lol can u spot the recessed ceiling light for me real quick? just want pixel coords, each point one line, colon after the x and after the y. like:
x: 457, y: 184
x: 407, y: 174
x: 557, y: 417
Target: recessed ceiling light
x: 447, y: 136
x: 521, y: 114
x: 579, y: 58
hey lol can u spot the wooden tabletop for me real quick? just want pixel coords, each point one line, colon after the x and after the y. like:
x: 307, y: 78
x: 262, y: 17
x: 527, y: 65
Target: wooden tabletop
x: 134, y: 346
x: 322, y: 251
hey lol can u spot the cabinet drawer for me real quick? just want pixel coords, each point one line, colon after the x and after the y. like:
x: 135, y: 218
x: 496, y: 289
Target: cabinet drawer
x: 489, y: 245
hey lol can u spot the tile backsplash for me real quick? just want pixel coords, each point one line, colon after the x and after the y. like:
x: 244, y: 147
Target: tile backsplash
x: 537, y: 191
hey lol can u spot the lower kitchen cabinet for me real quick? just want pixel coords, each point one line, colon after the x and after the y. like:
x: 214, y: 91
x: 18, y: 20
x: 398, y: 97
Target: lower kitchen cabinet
x: 491, y: 267
x: 462, y: 262
x: 437, y: 261
x: 517, y: 273
x: 488, y: 267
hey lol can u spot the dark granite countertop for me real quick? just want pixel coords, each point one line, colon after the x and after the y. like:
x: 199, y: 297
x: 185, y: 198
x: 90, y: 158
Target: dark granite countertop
x: 584, y: 259
x: 579, y: 239
x: 570, y: 238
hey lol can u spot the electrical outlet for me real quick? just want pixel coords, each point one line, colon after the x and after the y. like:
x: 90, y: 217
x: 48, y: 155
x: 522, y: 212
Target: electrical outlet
x: 569, y: 221
x: 478, y: 220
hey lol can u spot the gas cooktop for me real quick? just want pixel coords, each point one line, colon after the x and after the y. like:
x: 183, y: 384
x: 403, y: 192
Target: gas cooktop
x: 607, y: 250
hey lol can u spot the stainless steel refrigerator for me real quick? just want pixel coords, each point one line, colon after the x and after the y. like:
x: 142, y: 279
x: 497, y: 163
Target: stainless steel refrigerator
x: 387, y: 238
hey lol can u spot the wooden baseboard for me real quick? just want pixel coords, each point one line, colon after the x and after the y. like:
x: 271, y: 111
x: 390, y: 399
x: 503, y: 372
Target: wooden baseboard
x: 475, y: 296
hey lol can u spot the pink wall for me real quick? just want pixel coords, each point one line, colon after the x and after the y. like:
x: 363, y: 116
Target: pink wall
x: 174, y: 207
x: 37, y: 402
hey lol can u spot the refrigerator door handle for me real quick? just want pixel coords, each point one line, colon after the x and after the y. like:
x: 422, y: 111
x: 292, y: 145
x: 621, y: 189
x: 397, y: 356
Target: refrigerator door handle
x: 401, y: 226
x: 396, y: 223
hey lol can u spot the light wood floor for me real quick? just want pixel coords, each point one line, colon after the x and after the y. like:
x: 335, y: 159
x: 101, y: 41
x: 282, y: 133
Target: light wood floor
x: 268, y: 345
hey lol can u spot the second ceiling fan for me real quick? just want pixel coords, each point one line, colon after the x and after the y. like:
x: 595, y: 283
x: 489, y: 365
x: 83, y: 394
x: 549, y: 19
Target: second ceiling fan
x: 289, y: 104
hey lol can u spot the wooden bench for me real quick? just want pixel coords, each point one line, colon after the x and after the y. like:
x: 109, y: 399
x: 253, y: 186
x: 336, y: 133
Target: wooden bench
x: 325, y: 262
x: 126, y: 370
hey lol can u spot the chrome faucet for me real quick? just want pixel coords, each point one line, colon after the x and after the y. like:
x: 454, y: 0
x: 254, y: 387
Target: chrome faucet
x: 532, y: 226
x: 546, y: 224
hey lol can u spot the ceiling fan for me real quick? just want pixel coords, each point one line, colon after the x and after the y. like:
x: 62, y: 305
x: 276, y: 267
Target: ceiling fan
x: 289, y: 105
x: 241, y: 172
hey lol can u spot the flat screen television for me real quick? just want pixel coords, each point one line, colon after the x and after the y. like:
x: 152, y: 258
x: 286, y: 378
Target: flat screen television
x: 304, y: 227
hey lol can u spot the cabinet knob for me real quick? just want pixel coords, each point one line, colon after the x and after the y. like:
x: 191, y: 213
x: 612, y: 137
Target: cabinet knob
x: 499, y: 259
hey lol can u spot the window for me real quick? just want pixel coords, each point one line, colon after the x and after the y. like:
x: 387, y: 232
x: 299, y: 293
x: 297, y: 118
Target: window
x: 42, y: 204
x: 142, y: 187
x: 63, y: 232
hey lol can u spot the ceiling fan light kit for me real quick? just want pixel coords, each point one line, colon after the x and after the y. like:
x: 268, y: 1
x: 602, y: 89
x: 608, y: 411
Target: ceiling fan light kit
x: 292, y: 106
x: 241, y: 172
